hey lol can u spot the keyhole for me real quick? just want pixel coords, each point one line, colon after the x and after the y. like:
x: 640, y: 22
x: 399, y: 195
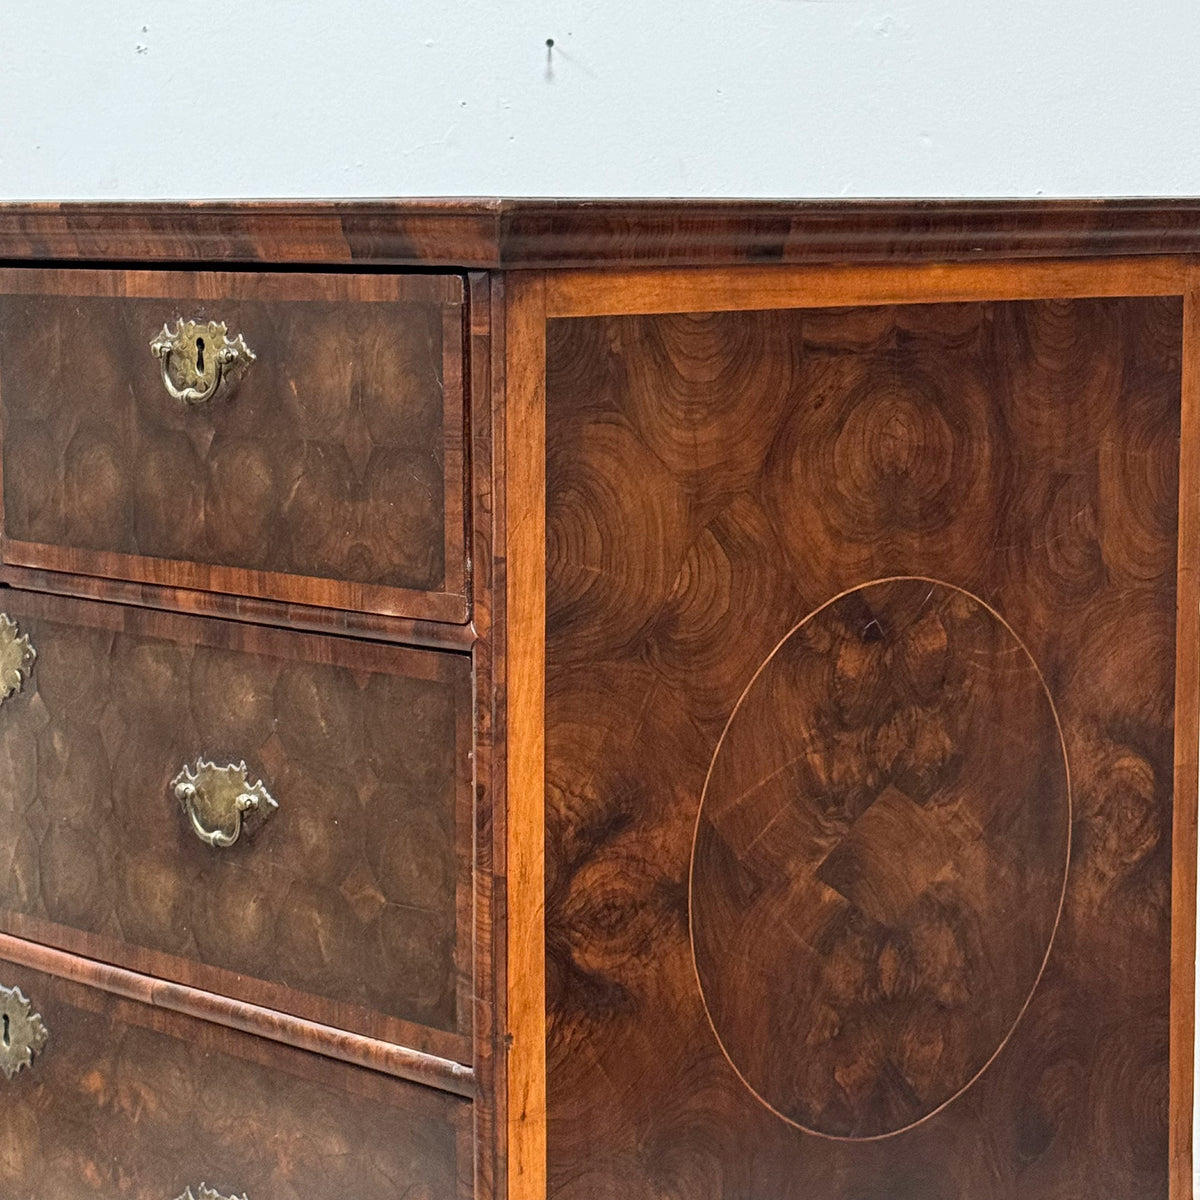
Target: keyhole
x: 5, y: 1035
x: 200, y: 355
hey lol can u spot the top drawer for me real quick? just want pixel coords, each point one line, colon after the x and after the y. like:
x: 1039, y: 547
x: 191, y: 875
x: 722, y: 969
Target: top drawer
x: 328, y: 469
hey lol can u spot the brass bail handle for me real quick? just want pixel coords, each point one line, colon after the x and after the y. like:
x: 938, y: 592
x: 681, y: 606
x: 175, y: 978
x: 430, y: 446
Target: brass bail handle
x: 202, y: 356
x: 221, y: 802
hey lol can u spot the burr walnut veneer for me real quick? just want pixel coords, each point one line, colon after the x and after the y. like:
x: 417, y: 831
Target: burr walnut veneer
x: 529, y: 700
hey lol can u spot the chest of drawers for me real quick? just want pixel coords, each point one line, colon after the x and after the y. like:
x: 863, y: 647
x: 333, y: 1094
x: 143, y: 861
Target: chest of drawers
x: 526, y: 700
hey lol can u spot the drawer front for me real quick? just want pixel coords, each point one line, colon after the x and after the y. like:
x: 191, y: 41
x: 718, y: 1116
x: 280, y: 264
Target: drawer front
x: 326, y: 469
x: 127, y: 1100
x: 344, y: 898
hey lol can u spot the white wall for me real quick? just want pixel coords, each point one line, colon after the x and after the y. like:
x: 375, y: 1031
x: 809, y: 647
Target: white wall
x: 164, y: 98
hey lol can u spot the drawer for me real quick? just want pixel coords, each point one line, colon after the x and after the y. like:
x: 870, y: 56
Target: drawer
x: 344, y: 897
x: 128, y: 1100
x: 322, y: 464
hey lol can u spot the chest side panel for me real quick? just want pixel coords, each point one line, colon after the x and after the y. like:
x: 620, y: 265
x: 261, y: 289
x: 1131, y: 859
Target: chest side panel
x: 859, y: 751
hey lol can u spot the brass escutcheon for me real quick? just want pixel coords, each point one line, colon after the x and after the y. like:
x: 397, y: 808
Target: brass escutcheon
x: 221, y: 801
x: 23, y: 1034
x: 197, y: 357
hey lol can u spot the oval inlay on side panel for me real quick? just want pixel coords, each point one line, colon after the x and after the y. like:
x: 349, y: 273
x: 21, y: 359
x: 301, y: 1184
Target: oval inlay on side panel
x: 880, y: 858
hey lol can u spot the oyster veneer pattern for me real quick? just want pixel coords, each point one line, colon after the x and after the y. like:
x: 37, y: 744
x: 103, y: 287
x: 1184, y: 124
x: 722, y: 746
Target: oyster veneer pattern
x: 351, y: 893
x: 327, y: 460
x: 136, y: 1102
x: 880, y: 858
x: 713, y: 479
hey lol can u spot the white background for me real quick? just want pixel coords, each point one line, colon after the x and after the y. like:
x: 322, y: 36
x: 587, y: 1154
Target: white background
x: 171, y: 98
x: 125, y: 99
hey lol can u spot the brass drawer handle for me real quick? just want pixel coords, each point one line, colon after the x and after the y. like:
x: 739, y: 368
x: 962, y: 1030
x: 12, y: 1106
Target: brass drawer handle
x: 207, y: 1193
x: 204, y: 355
x: 221, y: 801
x: 23, y: 1033
x: 17, y: 657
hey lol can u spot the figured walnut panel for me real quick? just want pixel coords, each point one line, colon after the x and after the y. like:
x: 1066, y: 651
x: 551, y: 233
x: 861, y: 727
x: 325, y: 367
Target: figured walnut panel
x: 349, y: 905
x: 807, y: 833
x: 337, y: 456
x: 890, y: 799
x: 127, y: 1100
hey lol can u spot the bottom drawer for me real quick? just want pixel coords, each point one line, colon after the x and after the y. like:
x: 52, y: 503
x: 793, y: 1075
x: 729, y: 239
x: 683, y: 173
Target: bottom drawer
x: 132, y: 1101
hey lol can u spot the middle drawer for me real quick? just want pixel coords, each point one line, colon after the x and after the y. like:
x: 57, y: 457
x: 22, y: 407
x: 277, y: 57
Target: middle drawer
x: 329, y: 878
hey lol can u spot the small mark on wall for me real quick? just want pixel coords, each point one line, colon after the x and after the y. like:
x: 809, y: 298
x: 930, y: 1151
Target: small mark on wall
x: 555, y: 53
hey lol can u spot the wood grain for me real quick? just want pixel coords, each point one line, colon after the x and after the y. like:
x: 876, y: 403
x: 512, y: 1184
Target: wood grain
x: 132, y: 1100
x: 859, y: 390
x: 616, y: 233
x: 496, y: 706
x: 350, y: 907
x: 488, y: 916
x: 332, y: 474
x: 890, y: 797
x: 1187, y: 762
x: 335, y: 232
x: 400, y: 1061
x: 535, y: 233
x: 667, y: 290
x: 525, y: 603
x: 250, y: 609
x: 712, y: 480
